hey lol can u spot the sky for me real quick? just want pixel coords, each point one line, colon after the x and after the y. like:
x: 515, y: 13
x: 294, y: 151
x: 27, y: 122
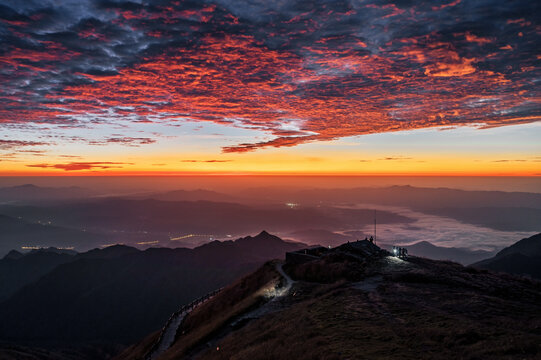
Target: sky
x: 370, y: 87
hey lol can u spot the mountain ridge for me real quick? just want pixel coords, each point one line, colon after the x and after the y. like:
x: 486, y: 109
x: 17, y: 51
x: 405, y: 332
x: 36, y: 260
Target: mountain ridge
x: 463, y: 256
x: 521, y: 258
x: 65, y: 303
x: 356, y: 301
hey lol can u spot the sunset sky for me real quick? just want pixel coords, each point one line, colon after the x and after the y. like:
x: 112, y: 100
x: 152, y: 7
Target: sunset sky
x: 272, y: 87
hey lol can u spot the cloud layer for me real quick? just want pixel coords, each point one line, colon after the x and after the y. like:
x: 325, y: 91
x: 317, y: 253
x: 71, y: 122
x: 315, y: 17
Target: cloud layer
x: 300, y: 70
x: 76, y: 166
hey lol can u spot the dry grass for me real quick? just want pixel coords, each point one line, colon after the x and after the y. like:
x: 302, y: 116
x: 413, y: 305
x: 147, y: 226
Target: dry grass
x: 328, y: 269
x: 436, y: 310
x: 401, y: 323
x: 233, y: 301
x: 422, y: 309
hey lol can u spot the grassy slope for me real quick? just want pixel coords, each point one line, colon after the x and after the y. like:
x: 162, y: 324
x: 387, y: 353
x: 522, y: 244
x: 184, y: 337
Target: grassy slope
x: 231, y: 302
x: 433, y: 310
x: 204, y: 321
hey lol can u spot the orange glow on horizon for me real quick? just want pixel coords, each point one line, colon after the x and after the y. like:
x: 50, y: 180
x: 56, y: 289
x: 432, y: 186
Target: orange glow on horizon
x: 527, y: 172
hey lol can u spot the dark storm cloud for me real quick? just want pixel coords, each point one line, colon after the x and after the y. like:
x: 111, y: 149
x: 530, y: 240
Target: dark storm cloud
x: 301, y: 70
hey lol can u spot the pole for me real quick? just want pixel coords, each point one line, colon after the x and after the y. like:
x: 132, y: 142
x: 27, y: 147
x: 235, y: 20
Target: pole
x: 375, y: 237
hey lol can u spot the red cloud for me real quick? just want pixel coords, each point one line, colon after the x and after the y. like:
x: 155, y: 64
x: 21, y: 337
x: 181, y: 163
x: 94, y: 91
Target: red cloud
x: 327, y: 86
x: 477, y: 39
x: 234, y: 77
x: 10, y: 144
x: 441, y: 7
x: 124, y: 140
x: 236, y: 80
x: 76, y: 166
x: 206, y: 161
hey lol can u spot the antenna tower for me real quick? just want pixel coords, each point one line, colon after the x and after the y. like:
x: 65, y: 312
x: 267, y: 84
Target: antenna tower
x: 375, y: 237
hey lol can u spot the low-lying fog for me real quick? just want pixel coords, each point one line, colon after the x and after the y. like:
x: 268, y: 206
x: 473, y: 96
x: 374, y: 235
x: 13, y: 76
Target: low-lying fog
x: 440, y: 231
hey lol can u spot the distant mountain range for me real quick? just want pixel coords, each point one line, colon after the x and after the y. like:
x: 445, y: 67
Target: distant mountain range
x: 117, y: 294
x: 154, y: 217
x: 402, y: 195
x: 29, y: 193
x: 507, y: 211
x: 16, y: 233
x: 319, y: 237
x: 460, y: 255
x: 133, y: 221
x: 192, y: 195
x: 521, y: 258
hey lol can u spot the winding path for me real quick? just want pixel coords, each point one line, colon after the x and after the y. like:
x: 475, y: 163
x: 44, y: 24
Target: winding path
x: 168, y: 334
x: 289, y: 281
x: 272, y: 305
x: 169, y: 331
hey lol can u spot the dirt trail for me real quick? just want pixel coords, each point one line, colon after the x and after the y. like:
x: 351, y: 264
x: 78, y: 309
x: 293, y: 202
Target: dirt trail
x: 167, y: 337
x: 273, y: 305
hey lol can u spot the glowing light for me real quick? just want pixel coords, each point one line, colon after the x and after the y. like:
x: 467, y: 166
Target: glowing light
x: 189, y: 236
x: 148, y: 242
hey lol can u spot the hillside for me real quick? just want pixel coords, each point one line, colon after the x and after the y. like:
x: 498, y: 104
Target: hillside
x: 134, y: 290
x: 356, y: 302
x: 522, y: 258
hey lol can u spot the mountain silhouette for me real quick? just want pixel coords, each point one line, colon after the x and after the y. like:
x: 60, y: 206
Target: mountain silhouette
x: 18, y: 270
x: 521, y: 258
x: 13, y: 255
x: 118, y: 294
